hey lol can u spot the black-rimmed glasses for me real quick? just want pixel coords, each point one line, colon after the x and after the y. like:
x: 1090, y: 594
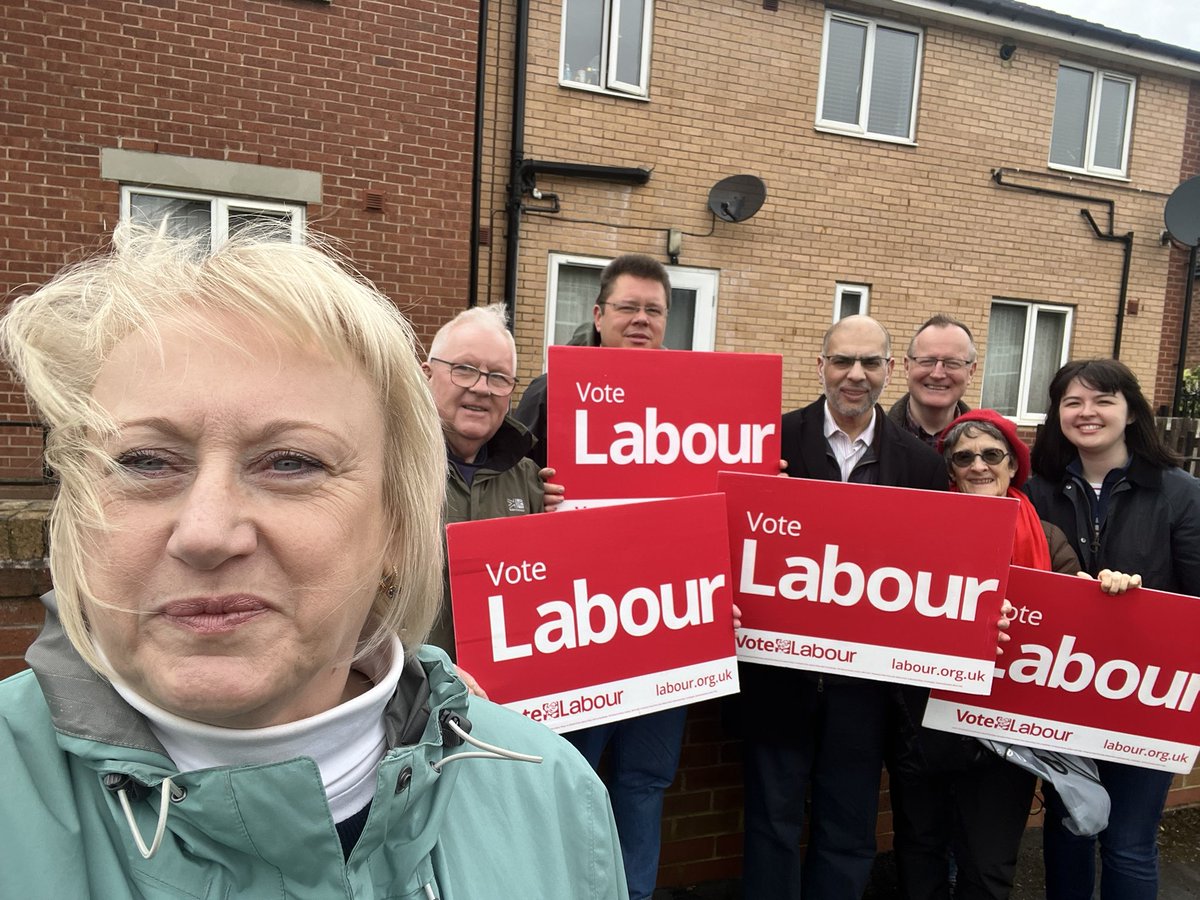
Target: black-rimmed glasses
x: 964, y: 459
x: 465, y: 376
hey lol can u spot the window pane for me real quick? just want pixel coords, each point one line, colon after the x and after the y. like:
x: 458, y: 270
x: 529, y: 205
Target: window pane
x: 851, y: 304
x: 1002, y: 366
x: 843, y: 71
x: 1049, y: 332
x: 681, y: 321
x: 183, y: 218
x: 629, y: 22
x: 1110, y: 124
x: 893, y: 75
x: 276, y: 224
x: 578, y: 287
x: 583, y: 39
x: 1070, y: 117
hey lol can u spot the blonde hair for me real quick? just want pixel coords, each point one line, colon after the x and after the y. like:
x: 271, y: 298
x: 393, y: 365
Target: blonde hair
x: 493, y: 317
x: 58, y: 338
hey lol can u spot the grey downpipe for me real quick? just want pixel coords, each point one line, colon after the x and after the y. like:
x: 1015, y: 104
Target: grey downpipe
x: 512, y: 237
x: 477, y: 162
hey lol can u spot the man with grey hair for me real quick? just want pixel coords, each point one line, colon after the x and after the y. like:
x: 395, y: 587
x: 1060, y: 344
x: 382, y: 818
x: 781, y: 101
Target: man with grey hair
x: 804, y: 729
x: 471, y: 369
x: 939, y: 366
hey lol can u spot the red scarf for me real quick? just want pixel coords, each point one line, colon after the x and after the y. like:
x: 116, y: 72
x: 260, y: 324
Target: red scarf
x: 1030, y: 548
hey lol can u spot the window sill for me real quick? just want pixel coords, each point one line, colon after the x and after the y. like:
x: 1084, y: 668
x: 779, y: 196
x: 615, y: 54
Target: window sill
x: 596, y: 89
x: 1087, y: 173
x: 866, y: 136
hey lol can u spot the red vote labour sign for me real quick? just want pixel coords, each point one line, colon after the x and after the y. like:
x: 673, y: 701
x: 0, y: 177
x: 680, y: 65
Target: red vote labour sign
x: 587, y: 616
x: 887, y: 583
x: 1108, y: 677
x: 644, y: 424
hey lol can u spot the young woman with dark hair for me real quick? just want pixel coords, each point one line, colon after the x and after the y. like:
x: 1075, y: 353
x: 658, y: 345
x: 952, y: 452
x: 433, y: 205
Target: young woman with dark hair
x: 1105, y: 477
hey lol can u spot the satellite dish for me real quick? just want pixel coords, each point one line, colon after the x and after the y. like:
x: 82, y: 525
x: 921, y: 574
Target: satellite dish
x: 737, y: 198
x: 1182, y: 213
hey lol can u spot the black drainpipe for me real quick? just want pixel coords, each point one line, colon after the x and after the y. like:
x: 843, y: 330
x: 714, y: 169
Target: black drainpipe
x: 1177, y: 409
x: 512, y: 238
x: 477, y: 164
x: 1126, y: 239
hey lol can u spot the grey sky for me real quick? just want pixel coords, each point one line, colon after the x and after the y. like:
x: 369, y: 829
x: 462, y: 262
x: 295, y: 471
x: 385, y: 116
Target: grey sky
x: 1173, y: 21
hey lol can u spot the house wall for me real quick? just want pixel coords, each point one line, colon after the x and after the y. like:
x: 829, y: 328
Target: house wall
x: 370, y: 96
x: 734, y: 88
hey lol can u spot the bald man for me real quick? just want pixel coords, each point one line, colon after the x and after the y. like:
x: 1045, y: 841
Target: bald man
x: 805, y: 729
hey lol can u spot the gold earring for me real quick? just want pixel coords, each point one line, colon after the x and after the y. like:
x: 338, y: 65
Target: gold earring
x: 387, y: 584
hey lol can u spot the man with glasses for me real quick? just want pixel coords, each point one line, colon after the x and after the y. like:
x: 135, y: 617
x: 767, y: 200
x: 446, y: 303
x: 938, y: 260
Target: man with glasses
x: 804, y: 729
x: 471, y: 369
x: 630, y: 311
x: 940, y: 364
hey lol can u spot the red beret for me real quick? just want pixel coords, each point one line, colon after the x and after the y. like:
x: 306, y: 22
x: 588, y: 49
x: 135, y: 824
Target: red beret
x: 1007, y: 428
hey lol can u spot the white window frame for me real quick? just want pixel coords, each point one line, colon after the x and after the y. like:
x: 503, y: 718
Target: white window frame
x: 1089, y: 142
x: 704, y: 282
x: 859, y: 128
x: 220, y: 208
x: 844, y: 287
x: 610, y: 49
x: 1023, y: 416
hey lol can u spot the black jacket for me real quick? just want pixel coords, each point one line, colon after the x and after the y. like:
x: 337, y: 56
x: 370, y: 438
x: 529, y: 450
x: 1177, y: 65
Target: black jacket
x: 895, y: 458
x: 1152, y: 527
x: 770, y: 694
x: 531, y: 411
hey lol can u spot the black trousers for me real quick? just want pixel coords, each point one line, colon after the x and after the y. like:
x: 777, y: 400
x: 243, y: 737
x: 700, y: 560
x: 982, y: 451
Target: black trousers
x: 826, y: 736
x: 978, y: 808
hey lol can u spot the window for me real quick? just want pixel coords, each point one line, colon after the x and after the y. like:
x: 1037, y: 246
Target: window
x: 869, y: 74
x: 1027, y: 343
x: 606, y: 45
x: 1093, y: 114
x: 850, y: 300
x: 187, y: 214
x: 575, y: 282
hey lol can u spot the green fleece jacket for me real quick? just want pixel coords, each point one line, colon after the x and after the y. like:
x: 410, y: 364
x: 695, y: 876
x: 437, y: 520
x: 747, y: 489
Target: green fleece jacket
x: 478, y: 829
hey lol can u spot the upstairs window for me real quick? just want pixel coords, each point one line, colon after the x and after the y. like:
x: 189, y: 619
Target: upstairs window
x: 1093, y: 114
x: 869, y: 74
x: 606, y: 45
x: 184, y: 214
x: 850, y: 300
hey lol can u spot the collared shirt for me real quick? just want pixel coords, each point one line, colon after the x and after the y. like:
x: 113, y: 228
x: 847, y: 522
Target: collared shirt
x: 847, y: 451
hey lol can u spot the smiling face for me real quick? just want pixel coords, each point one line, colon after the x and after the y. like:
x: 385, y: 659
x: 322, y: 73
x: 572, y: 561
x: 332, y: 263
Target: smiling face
x: 247, y: 531
x: 938, y: 388
x: 853, y: 392
x: 470, y: 416
x: 621, y: 325
x: 1094, y: 421
x: 980, y: 477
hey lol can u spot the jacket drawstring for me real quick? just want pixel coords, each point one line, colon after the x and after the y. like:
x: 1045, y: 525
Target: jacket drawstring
x: 486, y: 751
x: 119, y: 784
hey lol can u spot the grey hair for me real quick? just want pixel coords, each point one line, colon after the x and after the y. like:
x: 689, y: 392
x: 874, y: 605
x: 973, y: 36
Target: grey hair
x: 493, y: 318
x: 829, y: 332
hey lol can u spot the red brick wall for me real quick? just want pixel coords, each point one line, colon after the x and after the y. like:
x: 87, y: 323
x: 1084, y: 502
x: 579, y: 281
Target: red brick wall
x: 375, y: 96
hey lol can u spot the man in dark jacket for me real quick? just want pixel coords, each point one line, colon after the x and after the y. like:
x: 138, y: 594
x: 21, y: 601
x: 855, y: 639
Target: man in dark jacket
x: 630, y: 312
x: 471, y: 369
x: 803, y: 728
x: 939, y: 366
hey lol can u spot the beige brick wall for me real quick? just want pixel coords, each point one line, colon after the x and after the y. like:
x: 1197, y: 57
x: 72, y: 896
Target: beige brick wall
x: 733, y: 89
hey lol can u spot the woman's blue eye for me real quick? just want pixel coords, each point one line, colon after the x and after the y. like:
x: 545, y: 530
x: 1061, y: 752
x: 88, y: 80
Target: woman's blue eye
x: 143, y: 463
x: 292, y: 463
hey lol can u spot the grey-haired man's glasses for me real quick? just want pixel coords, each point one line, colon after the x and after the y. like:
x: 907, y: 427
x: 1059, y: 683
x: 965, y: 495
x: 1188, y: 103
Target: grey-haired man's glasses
x: 465, y: 376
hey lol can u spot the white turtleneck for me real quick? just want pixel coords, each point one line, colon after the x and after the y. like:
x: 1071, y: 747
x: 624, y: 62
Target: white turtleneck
x: 346, y: 742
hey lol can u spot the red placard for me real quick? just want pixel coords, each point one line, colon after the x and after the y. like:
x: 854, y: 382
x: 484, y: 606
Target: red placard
x: 888, y: 583
x: 645, y: 424
x: 1108, y: 677
x: 593, y: 615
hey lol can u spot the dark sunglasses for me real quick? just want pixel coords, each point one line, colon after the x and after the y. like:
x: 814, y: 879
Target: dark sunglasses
x: 993, y: 456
